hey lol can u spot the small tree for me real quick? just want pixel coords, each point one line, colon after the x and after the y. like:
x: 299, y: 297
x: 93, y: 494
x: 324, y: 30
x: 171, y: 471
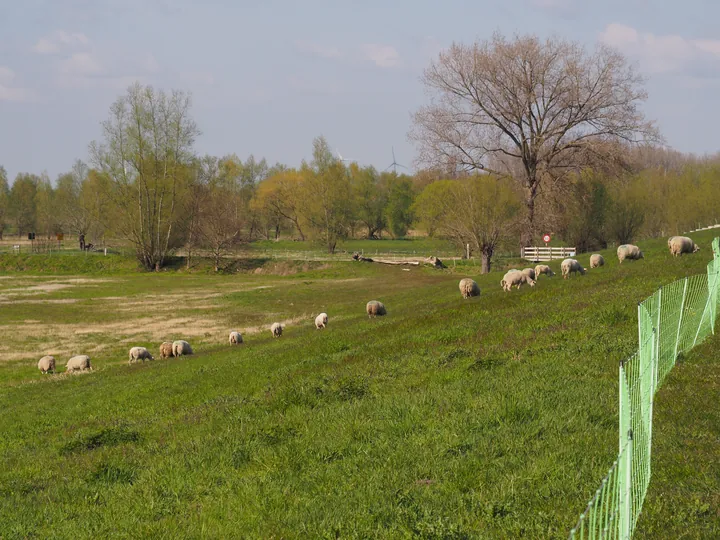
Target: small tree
x: 370, y: 200
x: 146, y: 153
x: 326, y: 206
x: 481, y: 211
x: 399, y: 206
x: 627, y: 212
x: 4, y: 200
x: 218, y: 226
x: 280, y: 196
x: 23, y: 210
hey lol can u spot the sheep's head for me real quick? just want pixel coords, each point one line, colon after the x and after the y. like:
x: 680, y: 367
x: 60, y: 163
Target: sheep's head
x: 696, y: 248
x: 641, y: 256
x: 582, y: 271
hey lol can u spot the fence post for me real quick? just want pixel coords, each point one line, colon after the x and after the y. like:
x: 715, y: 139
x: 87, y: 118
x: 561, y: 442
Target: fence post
x: 624, y: 464
x: 682, y: 312
x: 702, y: 317
x: 656, y: 355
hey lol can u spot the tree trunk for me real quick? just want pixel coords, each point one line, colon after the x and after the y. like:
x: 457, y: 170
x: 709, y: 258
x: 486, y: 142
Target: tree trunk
x: 526, y: 236
x: 487, y: 253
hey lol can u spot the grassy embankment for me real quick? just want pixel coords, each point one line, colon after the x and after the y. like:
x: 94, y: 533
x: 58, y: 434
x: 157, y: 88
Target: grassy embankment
x: 485, y: 418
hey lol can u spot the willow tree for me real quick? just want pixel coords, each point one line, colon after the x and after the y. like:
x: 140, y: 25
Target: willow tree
x: 481, y: 211
x: 147, y: 154
x: 529, y: 109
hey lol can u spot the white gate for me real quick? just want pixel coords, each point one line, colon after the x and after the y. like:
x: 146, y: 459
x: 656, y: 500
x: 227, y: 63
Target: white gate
x: 537, y: 254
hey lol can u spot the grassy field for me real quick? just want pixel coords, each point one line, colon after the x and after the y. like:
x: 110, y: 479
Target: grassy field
x: 494, y: 417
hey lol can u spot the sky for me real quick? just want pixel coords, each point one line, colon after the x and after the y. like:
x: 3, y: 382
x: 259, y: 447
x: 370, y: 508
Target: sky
x: 266, y: 77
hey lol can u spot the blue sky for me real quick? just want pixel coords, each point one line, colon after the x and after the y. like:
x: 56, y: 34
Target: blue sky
x: 266, y: 77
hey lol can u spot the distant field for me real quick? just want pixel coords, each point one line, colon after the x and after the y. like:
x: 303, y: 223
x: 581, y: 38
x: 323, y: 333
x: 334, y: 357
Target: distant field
x: 494, y: 417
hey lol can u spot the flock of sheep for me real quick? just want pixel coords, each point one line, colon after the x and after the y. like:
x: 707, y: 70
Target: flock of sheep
x: 516, y: 278
x: 468, y: 288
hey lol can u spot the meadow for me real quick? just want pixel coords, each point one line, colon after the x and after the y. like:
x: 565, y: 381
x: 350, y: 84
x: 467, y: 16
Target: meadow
x: 493, y: 417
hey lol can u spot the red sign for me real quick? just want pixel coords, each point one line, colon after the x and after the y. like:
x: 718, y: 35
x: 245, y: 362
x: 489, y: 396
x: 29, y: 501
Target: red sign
x: 546, y: 238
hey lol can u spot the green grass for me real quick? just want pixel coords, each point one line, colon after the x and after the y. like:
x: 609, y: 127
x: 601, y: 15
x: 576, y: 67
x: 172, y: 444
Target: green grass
x: 494, y: 417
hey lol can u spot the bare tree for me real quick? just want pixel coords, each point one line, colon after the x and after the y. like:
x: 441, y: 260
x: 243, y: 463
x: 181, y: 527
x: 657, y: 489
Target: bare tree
x: 218, y: 227
x: 529, y: 109
x: 147, y: 154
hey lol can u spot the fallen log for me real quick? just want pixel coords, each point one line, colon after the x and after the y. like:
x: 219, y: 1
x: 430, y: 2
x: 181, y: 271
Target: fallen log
x: 431, y: 261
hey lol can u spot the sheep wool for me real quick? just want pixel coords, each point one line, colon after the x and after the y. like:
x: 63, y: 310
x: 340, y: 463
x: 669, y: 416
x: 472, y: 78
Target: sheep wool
x: 596, y: 260
x: 321, y: 321
x: 375, y: 309
x: 469, y: 288
x: 47, y: 364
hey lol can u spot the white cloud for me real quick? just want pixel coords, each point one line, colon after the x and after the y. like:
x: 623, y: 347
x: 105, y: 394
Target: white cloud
x: 318, y: 50
x: 59, y: 40
x: 382, y: 55
x: 84, y: 63
x: 670, y: 53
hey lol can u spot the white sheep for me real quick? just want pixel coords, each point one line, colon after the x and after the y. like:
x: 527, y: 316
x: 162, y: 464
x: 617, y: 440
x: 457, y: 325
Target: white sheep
x: 321, y: 321
x: 529, y: 272
x: 516, y: 278
x: 570, y: 266
x: 139, y: 353
x: 78, y: 363
x: 47, y: 364
x: 375, y: 309
x: 166, y: 349
x: 469, y: 288
x: 276, y: 329
x: 596, y: 260
x: 543, y: 269
x: 181, y: 347
x: 235, y: 338
x: 682, y: 244
x: 629, y: 252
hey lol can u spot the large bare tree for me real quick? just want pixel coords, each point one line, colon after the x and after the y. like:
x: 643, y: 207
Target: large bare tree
x: 530, y: 109
x: 147, y: 153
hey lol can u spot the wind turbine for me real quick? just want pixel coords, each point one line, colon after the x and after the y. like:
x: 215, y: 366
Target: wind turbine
x: 395, y: 164
x: 341, y: 158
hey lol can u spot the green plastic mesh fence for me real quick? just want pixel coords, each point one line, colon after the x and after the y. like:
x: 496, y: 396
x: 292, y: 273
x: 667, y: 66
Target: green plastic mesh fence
x: 675, y: 319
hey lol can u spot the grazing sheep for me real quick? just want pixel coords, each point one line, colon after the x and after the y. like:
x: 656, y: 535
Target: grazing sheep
x: 166, y: 349
x: 543, y: 269
x: 235, y: 338
x: 629, y: 252
x: 78, y: 363
x: 570, y: 266
x: 596, y: 260
x: 682, y: 244
x: 181, y: 347
x: 276, y: 329
x: 517, y: 278
x: 139, y: 353
x: 375, y: 309
x: 321, y: 321
x: 47, y: 364
x: 529, y: 272
x: 469, y: 288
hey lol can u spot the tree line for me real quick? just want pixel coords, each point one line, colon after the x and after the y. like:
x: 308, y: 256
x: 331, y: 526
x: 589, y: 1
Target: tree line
x: 522, y: 137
